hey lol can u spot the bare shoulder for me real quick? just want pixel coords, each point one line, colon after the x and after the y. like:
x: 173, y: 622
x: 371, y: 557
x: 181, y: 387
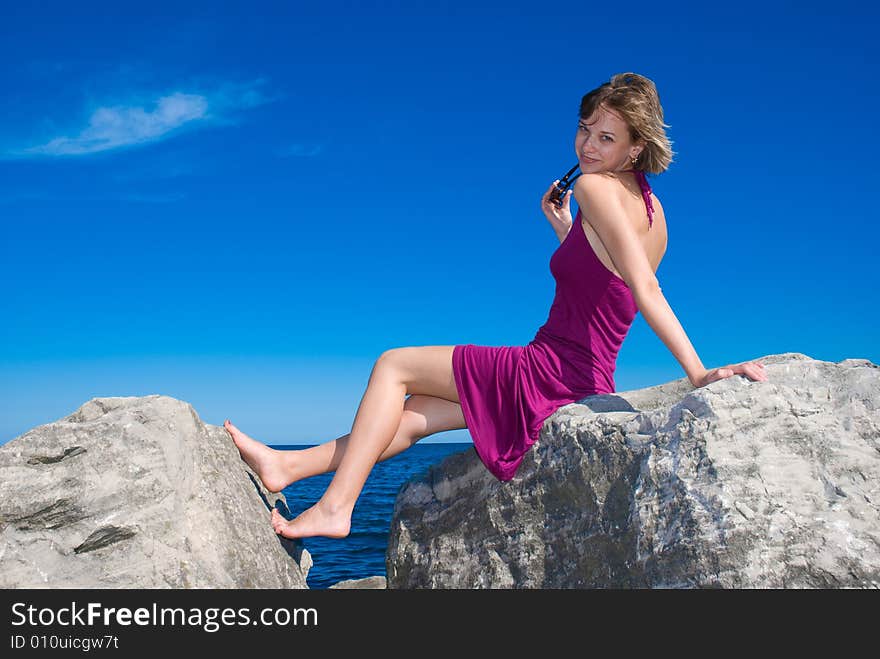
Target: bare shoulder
x: 597, y: 183
x: 600, y: 188
x: 600, y: 194
x: 600, y: 201
x: 605, y: 190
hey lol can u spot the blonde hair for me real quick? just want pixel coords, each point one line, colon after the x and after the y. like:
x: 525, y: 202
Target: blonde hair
x: 635, y: 99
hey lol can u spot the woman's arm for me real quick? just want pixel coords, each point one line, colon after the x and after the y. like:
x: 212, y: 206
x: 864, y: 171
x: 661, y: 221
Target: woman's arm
x: 601, y: 206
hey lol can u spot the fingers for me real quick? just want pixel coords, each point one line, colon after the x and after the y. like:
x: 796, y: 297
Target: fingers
x: 552, y: 189
x: 754, y: 371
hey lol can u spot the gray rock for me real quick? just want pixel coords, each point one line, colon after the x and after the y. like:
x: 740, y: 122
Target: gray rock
x: 137, y: 492
x: 738, y: 484
x: 367, y: 583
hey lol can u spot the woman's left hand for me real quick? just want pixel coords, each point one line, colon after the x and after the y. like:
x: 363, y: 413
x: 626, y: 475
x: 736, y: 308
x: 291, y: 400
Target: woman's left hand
x: 752, y: 370
x: 558, y: 216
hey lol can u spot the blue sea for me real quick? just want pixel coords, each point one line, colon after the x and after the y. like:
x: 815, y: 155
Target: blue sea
x: 362, y: 553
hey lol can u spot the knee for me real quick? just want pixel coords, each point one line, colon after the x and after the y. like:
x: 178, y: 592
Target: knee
x: 387, y: 360
x: 390, y: 355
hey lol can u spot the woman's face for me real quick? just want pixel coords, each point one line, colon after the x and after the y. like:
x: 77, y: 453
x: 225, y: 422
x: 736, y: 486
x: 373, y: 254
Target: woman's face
x: 602, y: 143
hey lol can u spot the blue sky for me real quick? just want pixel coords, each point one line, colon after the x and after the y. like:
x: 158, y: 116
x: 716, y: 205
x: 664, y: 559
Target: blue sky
x: 242, y: 205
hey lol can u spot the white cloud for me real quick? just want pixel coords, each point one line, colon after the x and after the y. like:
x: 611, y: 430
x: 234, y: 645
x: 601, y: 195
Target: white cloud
x: 118, y: 126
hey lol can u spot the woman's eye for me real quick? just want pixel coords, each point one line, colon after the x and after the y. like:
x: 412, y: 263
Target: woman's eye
x: 585, y: 129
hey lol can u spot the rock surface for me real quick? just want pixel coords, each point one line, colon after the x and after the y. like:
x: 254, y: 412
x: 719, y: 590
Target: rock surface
x: 367, y: 583
x: 738, y: 484
x: 137, y: 492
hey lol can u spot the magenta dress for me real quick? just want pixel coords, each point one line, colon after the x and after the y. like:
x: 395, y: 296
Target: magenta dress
x: 508, y: 392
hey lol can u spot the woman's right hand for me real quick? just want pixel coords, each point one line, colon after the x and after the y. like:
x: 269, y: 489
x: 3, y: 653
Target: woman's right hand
x: 559, y: 216
x: 752, y: 370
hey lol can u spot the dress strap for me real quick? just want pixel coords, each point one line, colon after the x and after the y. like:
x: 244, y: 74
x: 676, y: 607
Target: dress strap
x: 646, y: 192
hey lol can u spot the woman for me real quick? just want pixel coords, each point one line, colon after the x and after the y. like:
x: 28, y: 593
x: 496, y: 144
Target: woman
x: 604, y: 271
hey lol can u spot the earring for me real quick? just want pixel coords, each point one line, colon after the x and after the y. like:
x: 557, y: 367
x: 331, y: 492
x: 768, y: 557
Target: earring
x: 634, y: 160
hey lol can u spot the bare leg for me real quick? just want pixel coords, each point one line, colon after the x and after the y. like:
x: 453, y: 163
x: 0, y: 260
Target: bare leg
x: 425, y: 370
x: 422, y: 416
x: 422, y: 370
x: 374, y: 427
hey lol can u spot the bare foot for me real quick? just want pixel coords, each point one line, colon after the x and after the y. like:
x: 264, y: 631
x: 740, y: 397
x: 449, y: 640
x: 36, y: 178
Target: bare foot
x: 268, y: 463
x: 311, y: 522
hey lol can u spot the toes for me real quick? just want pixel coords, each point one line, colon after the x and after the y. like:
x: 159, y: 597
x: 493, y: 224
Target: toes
x: 277, y: 521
